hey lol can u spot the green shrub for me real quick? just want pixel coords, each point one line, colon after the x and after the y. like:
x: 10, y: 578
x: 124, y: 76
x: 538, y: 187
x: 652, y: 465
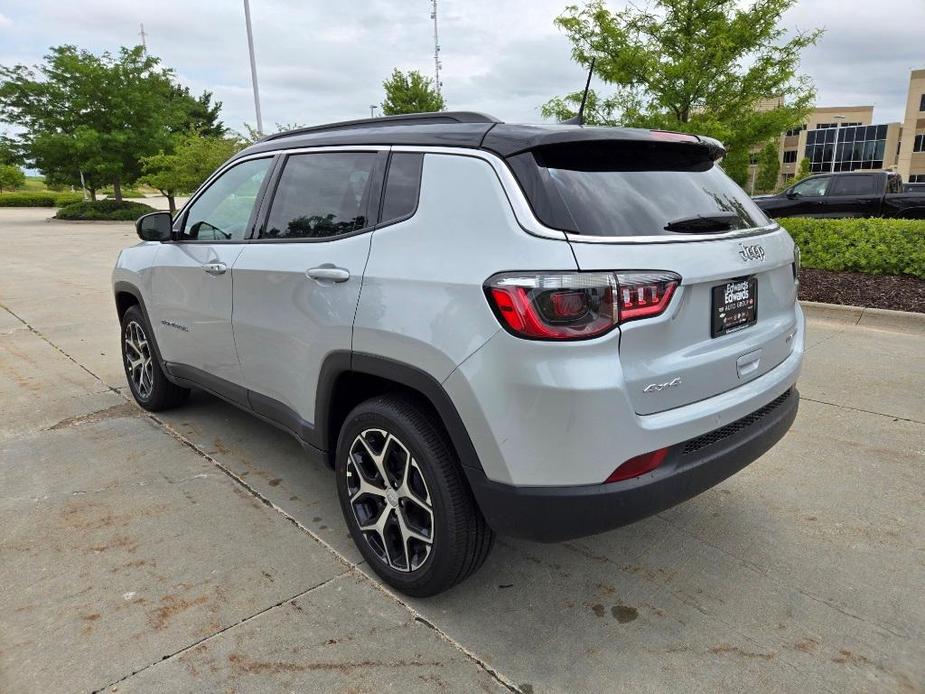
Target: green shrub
x: 874, y: 246
x: 38, y: 199
x: 104, y: 210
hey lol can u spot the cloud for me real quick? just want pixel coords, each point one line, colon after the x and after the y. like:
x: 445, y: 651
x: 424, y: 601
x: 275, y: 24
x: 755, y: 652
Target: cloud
x: 325, y: 61
x: 5, y: 21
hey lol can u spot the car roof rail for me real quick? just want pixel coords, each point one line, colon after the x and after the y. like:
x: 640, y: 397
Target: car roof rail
x: 437, y: 117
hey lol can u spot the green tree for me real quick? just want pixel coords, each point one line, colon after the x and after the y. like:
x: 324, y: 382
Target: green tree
x: 90, y: 119
x: 10, y: 152
x: 197, y: 113
x: 191, y: 159
x: 768, y: 168
x: 735, y: 164
x: 410, y: 93
x: 11, y: 177
x: 803, y: 170
x: 704, y: 66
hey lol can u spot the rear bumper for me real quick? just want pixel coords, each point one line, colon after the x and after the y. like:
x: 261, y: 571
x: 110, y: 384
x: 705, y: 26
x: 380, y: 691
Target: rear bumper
x: 554, y: 514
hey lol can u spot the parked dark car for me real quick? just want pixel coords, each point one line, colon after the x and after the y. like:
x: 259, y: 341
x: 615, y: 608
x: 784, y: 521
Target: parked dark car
x: 914, y: 188
x: 859, y: 194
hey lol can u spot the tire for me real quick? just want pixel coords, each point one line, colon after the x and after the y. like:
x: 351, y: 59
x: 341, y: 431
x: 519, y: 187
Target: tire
x: 146, y: 379
x: 422, y: 533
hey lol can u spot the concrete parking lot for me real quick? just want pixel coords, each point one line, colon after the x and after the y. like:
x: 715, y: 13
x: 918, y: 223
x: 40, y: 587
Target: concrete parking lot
x: 198, y: 550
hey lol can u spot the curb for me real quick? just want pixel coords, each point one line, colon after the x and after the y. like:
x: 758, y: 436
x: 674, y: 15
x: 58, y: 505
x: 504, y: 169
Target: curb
x: 876, y: 318
x: 130, y: 222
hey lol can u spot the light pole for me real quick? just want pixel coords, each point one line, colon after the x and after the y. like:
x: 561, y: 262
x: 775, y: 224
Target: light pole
x: 250, y: 46
x: 372, y: 110
x: 838, y: 120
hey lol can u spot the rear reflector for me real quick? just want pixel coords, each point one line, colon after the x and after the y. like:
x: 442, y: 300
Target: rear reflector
x: 639, y: 465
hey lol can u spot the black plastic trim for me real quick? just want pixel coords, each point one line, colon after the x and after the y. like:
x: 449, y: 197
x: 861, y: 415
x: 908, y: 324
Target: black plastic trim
x: 187, y: 376
x: 123, y: 287
x: 555, y: 514
x: 338, y: 363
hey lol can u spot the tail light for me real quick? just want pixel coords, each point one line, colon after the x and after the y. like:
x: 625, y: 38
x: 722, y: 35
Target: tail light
x: 797, y: 262
x: 576, y: 305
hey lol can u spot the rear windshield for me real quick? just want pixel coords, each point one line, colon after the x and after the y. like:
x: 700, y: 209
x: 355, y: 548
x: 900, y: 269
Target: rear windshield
x: 632, y: 189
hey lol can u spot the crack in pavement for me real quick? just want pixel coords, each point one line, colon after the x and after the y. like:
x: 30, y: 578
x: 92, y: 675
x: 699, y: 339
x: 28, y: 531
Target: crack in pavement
x: 895, y: 418
x: 245, y: 620
x: 351, y: 566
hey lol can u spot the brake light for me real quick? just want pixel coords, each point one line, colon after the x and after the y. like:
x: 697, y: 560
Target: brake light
x: 641, y: 464
x: 576, y: 305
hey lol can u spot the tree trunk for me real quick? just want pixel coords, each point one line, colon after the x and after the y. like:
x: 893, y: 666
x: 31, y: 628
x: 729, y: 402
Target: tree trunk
x: 117, y: 188
x: 172, y: 203
x: 92, y: 192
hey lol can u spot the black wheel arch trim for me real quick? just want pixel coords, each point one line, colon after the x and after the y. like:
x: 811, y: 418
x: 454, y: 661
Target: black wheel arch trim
x: 339, y: 363
x: 123, y: 287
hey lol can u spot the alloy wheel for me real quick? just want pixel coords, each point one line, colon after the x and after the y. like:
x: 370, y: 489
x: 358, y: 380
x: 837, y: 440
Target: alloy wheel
x: 139, y: 361
x: 390, y: 500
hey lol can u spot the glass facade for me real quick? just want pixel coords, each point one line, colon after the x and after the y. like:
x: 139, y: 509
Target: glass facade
x: 858, y: 147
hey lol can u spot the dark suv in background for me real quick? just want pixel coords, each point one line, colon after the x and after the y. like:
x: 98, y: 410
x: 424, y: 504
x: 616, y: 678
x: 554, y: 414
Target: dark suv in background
x: 858, y: 194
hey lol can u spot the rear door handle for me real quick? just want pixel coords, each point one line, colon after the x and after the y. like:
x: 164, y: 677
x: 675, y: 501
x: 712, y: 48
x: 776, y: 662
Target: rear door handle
x: 215, y: 268
x: 328, y: 273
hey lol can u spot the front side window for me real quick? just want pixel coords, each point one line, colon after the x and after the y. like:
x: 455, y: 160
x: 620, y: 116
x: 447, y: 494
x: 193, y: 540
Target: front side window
x: 321, y: 195
x: 812, y: 187
x: 223, y: 211
x: 852, y: 185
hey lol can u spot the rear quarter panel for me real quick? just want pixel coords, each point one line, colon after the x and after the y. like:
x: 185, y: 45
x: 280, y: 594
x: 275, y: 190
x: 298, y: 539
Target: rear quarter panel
x: 422, y: 301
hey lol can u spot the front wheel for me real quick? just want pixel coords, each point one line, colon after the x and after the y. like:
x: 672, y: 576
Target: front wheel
x: 146, y: 379
x: 405, y: 499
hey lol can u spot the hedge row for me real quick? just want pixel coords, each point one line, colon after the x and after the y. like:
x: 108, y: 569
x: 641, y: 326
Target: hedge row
x: 38, y: 199
x: 104, y: 210
x: 874, y: 246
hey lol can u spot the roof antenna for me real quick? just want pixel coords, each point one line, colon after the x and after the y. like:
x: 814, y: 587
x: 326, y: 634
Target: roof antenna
x: 580, y: 118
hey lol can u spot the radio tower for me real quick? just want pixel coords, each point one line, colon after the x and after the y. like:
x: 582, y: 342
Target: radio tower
x: 437, y: 65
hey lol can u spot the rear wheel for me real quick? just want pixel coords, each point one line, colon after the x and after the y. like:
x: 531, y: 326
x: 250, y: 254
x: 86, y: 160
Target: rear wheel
x: 146, y: 379
x: 405, y: 499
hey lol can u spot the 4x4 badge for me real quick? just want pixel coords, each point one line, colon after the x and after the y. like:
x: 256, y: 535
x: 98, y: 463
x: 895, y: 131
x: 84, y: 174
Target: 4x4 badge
x: 751, y: 252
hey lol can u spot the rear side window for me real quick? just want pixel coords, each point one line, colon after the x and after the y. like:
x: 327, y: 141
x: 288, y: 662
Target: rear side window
x: 402, y: 186
x: 855, y: 184
x: 632, y: 189
x: 321, y: 195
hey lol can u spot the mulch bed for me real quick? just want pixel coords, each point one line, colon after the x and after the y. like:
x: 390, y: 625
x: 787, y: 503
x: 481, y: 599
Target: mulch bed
x: 896, y: 292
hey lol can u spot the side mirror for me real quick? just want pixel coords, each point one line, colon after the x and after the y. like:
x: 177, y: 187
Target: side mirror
x: 792, y: 195
x: 154, y: 226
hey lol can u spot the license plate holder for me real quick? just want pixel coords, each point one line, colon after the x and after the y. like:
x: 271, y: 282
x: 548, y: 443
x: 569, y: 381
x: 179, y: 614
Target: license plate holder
x: 735, y: 306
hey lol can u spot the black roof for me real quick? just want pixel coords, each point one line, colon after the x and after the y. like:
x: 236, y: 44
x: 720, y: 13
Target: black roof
x: 463, y: 129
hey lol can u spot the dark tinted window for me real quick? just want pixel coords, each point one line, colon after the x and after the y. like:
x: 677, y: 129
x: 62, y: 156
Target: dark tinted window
x: 321, y: 195
x: 922, y: 103
x: 790, y: 156
x: 852, y: 185
x: 222, y: 212
x: 402, y: 186
x: 632, y: 189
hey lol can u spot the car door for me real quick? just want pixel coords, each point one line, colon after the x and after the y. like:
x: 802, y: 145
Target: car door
x: 852, y: 195
x: 192, y: 280
x: 296, y: 285
x: 808, y: 196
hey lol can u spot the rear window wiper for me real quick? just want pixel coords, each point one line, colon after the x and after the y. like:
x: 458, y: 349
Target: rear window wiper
x: 721, y: 221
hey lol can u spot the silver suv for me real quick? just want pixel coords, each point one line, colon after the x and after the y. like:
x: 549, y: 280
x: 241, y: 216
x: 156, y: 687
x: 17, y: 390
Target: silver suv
x: 539, y: 331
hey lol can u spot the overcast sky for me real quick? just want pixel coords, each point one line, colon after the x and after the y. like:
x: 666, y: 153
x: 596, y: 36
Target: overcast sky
x: 320, y: 60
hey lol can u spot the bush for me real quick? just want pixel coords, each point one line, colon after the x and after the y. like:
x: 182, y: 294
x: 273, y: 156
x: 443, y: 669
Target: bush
x: 104, y: 210
x: 874, y: 246
x: 38, y: 199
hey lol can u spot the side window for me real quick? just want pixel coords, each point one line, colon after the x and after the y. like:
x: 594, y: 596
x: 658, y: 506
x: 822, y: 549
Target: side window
x: 853, y: 184
x: 321, y: 195
x: 402, y: 186
x: 811, y: 187
x: 222, y: 212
